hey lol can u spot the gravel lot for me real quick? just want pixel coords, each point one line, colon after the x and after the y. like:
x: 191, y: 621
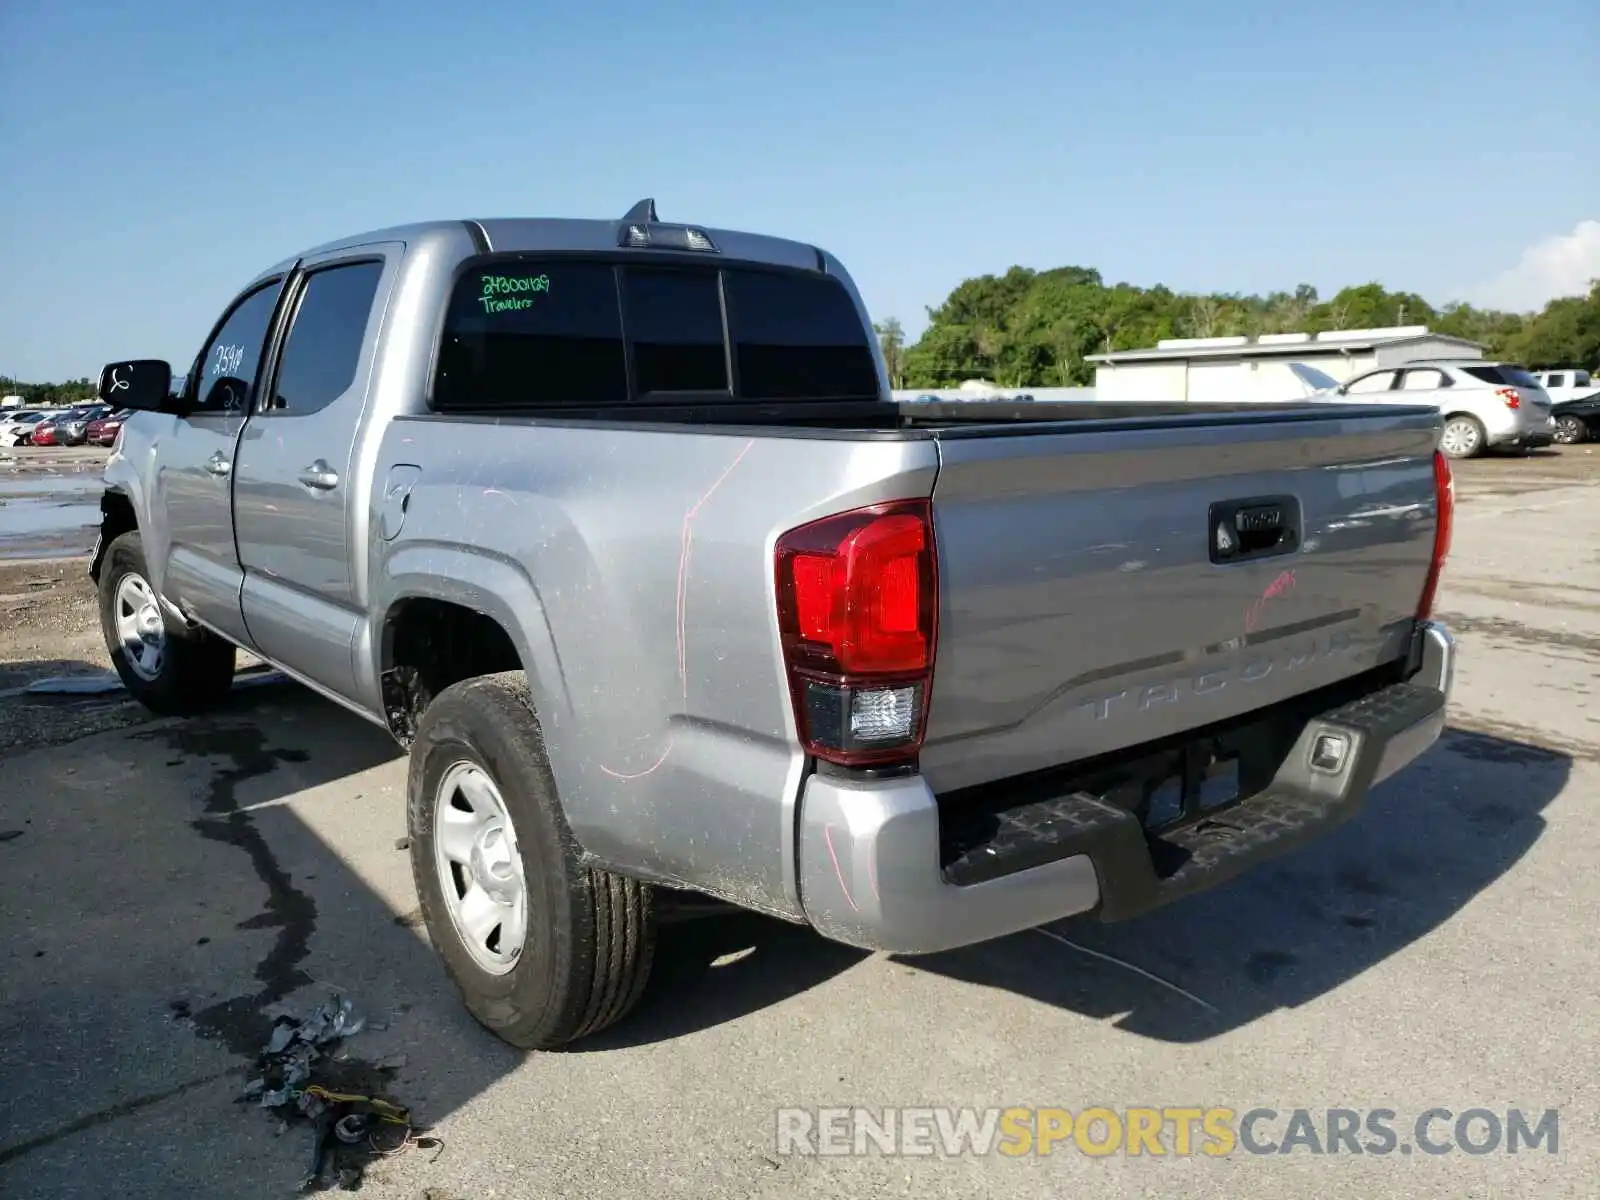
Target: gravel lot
x: 168, y: 886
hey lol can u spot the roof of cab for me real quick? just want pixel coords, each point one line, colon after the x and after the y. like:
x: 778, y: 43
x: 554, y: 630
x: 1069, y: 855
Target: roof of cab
x: 513, y: 234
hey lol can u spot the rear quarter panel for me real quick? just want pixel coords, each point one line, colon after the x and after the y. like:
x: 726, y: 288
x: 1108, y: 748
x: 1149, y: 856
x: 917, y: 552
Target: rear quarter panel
x: 633, y: 568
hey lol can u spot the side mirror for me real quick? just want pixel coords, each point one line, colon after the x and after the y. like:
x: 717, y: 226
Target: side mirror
x: 144, y: 384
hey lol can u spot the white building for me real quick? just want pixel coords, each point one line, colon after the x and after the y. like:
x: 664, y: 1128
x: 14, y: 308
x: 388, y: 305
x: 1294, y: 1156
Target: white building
x: 1243, y: 368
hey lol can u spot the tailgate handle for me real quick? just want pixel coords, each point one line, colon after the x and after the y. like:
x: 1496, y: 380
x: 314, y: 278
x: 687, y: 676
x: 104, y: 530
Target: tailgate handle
x: 1258, y: 527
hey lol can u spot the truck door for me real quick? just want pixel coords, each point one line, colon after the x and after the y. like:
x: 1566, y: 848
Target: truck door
x: 199, y: 567
x: 300, y: 487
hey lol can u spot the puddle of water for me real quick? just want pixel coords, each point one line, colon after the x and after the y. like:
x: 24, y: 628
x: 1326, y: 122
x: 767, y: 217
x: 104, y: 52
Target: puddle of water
x: 49, y: 513
x: 41, y: 484
x: 34, y: 528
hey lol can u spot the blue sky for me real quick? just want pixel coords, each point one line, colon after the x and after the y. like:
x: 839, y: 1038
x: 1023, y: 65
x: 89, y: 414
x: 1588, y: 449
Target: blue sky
x: 160, y: 154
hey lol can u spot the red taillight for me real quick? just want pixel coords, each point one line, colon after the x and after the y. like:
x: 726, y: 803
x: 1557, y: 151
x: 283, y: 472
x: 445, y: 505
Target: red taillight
x: 1444, y: 488
x: 1510, y: 395
x: 858, y: 616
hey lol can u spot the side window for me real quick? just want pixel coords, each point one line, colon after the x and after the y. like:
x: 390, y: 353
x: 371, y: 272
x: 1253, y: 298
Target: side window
x: 1556, y: 379
x: 227, y: 367
x: 526, y: 335
x: 674, y: 322
x: 1378, y: 381
x: 1429, y: 380
x: 324, y: 345
x: 1580, y: 379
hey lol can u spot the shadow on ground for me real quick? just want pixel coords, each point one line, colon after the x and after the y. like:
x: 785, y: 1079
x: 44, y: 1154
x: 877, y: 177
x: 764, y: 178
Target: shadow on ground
x: 718, y: 969
x: 1426, y: 843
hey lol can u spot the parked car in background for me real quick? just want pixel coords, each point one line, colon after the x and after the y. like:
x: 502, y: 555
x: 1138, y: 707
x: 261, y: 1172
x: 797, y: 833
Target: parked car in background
x: 1568, y: 383
x: 1486, y: 405
x: 1577, y: 420
x: 103, y: 432
x: 70, y: 428
x: 17, y: 426
x: 77, y: 429
x: 44, y: 433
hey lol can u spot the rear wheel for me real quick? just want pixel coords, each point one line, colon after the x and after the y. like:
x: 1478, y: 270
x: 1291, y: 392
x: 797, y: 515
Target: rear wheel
x: 170, y: 669
x: 1570, y: 430
x: 1462, y: 437
x: 543, y: 950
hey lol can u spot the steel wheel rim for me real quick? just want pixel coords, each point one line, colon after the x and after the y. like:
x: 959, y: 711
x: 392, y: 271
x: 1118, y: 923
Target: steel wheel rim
x: 479, y: 866
x: 1567, y: 430
x: 1458, y: 438
x: 140, y: 627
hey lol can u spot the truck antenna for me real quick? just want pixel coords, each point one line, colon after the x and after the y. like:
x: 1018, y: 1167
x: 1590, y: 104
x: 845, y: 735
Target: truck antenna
x: 644, y: 211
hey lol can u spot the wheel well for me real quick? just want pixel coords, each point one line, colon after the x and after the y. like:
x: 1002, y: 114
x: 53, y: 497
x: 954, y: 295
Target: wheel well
x: 429, y: 645
x: 116, y: 519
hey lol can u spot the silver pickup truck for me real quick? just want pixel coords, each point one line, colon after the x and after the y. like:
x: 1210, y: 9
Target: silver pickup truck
x: 615, y: 526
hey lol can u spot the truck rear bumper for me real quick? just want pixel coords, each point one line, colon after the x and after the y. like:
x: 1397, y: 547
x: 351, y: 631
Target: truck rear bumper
x: 877, y: 870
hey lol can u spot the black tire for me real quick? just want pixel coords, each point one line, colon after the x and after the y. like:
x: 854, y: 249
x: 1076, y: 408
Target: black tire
x: 590, y: 934
x: 196, y: 667
x: 1570, y: 430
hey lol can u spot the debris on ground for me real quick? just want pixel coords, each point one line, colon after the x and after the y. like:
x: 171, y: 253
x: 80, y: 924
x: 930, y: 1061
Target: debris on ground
x: 105, y: 682
x: 76, y: 685
x: 306, y: 1076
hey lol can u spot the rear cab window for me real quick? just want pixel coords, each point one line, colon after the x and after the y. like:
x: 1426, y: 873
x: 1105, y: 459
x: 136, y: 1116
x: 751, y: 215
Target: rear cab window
x: 527, y: 333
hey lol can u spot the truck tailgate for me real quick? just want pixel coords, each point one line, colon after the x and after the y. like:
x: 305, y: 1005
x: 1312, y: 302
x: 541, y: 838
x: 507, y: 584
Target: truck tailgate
x: 1082, y: 606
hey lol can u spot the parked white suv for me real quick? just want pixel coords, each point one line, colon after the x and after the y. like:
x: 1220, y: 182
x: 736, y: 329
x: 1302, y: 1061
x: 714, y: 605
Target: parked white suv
x: 1487, y: 405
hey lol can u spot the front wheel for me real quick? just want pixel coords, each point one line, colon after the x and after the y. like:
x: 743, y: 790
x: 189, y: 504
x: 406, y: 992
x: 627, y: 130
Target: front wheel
x: 1462, y: 437
x: 172, y: 671
x: 543, y: 949
x: 1570, y: 430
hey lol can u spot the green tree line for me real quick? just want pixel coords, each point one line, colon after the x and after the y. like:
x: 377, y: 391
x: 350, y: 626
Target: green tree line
x: 73, y: 391
x: 1030, y: 328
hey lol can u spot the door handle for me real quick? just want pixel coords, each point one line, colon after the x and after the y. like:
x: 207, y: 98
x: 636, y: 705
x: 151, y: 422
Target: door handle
x: 218, y: 465
x: 320, y: 476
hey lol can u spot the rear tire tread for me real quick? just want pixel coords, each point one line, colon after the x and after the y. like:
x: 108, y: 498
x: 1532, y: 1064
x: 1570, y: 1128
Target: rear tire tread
x: 600, y: 952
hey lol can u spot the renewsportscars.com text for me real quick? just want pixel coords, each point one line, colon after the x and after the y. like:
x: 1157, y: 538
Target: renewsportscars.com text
x: 1168, y: 1131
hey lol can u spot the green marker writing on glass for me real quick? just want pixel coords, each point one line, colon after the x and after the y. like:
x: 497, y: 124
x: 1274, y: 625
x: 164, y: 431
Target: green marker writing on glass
x: 493, y: 304
x: 503, y: 285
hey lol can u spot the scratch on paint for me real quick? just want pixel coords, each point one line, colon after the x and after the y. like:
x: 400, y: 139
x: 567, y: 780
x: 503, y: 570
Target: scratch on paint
x: 650, y: 770
x: 827, y: 836
x: 1280, y: 586
x: 681, y: 616
x: 685, y: 542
